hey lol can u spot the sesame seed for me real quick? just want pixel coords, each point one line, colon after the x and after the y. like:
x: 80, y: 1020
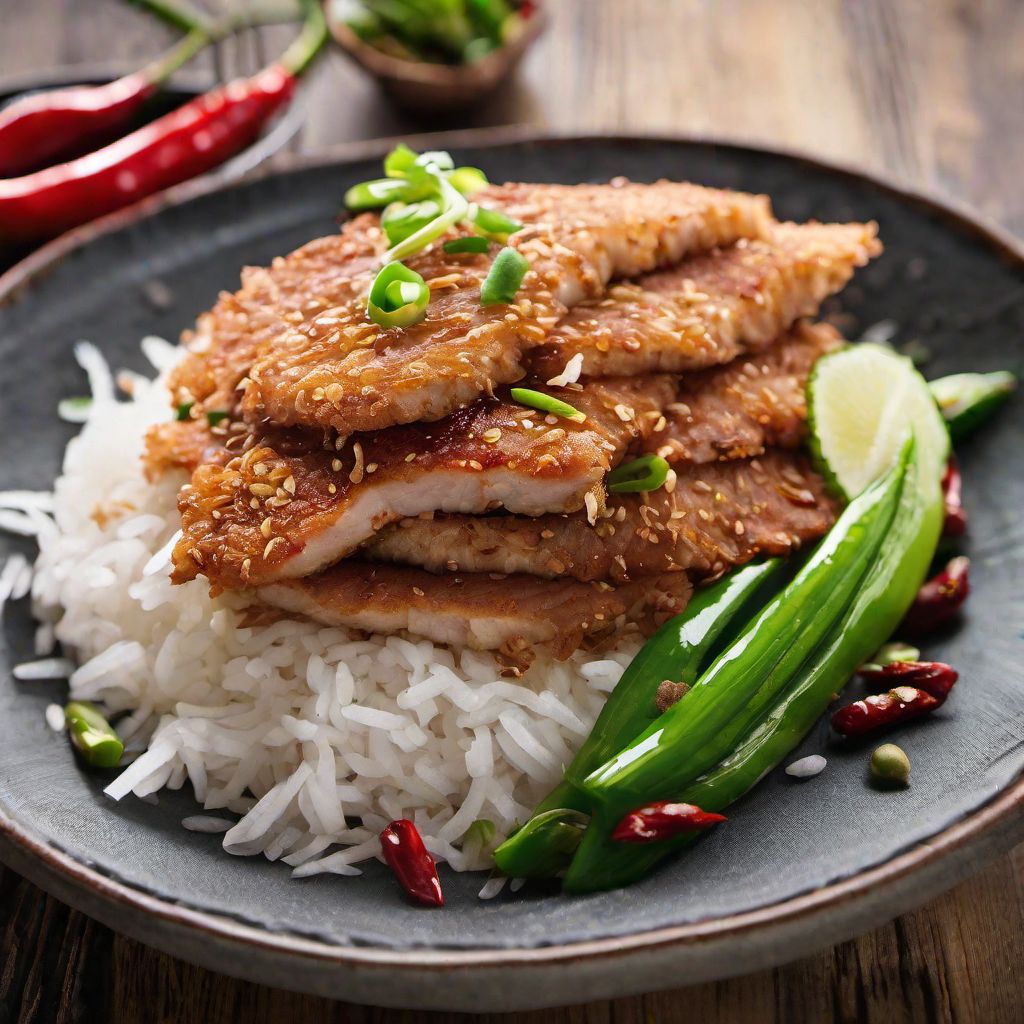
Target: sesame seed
x: 266, y: 527
x: 492, y: 435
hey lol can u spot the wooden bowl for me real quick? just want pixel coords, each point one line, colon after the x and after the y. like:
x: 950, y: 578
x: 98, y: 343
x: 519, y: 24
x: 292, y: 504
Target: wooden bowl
x: 426, y: 88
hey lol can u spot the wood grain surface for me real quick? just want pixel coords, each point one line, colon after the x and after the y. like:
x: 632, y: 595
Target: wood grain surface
x: 928, y: 91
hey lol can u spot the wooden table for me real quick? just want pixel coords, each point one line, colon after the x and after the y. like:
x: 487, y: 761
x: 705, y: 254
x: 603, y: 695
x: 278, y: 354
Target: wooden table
x: 928, y: 91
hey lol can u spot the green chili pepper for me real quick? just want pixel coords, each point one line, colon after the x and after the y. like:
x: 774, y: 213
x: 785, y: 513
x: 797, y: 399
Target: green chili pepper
x: 494, y: 224
x: 877, y: 608
x: 184, y: 411
x: 748, y: 676
x: 471, y: 243
x: 504, y: 278
x: 547, y: 403
x: 967, y: 400
x: 679, y: 651
x: 92, y: 735
x: 647, y: 473
x: 398, y: 297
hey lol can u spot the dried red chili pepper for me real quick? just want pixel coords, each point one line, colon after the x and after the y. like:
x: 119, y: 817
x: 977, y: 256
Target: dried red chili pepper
x: 940, y: 598
x: 955, y: 523
x: 412, y: 864
x: 898, y: 705
x: 934, y: 677
x: 188, y: 141
x: 45, y: 127
x: 663, y: 820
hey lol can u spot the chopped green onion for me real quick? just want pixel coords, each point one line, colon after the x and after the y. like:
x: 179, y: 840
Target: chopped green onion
x: 184, y: 411
x: 494, y: 224
x: 76, y: 410
x: 647, y: 473
x: 400, y: 220
x: 92, y: 735
x: 399, y: 161
x: 547, y: 403
x: 455, y: 206
x: 398, y: 297
x: 435, y: 159
x: 504, y: 278
x: 372, y: 195
x: 468, y: 179
x: 215, y: 416
x: 471, y: 243
x: 482, y: 831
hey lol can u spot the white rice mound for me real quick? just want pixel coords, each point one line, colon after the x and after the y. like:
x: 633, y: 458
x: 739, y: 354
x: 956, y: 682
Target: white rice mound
x: 297, y: 729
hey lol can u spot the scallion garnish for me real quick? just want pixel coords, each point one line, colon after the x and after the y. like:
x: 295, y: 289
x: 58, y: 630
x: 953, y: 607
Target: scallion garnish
x: 468, y: 179
x: 647, y: 473
x: 372, y: 195
x: 400, y: 220
x: 547, y: 403
x: 471, y: 243
x: 184, y: 411
x: 504, y: 278
x: 215, y: 416
x: 399, y: 161
x: 454, y: 206
x: 494, y: 224
x: 398, y: 297
x: 76, y: 410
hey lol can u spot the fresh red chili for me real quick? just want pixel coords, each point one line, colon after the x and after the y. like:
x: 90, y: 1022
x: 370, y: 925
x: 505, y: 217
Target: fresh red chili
x: 898, y: 705
x: 955, y: 523
x: 43, y: 128
x: 663, y: 820
x: 934, y: 677
x: 413, y: 866
x: 939, y: 599
x: 188, y: 141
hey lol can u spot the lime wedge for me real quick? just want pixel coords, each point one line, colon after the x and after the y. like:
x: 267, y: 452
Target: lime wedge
x: 862, y: 402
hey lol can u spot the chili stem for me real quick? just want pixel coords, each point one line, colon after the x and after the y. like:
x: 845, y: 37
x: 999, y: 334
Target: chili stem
x: 297, y: 58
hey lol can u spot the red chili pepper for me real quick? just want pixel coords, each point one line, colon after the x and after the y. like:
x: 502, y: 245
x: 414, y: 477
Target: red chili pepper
x: 46, y: 127
x: 413, y: 866
x: 186, y: 142
x: 955, y: 523
x: 934, y: 677
x: 898, y: 705
x: 663, y: 820
x: 940, y: 598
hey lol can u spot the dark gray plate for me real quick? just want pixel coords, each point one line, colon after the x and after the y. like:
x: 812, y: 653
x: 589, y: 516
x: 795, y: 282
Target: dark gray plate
x: 799, y: 864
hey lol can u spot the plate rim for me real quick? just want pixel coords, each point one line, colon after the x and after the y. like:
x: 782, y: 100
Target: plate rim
x: 524, y: 977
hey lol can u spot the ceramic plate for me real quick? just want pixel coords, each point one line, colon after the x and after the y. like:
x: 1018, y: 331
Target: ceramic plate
x: 800, y: 865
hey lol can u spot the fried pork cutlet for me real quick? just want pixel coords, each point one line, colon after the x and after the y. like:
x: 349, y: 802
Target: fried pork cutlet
x: 710, y: 308
x: 506, y: 613
x: 753, y: 403
x: 718, y: 515
x: 339, y: 370
x: 290, y: 506
x: 271, y: 302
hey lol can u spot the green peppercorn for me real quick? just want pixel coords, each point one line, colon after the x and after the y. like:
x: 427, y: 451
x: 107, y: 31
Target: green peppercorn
x: 890, y: 766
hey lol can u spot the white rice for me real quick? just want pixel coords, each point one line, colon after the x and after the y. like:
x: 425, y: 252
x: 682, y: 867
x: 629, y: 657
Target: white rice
x: 314, y: 737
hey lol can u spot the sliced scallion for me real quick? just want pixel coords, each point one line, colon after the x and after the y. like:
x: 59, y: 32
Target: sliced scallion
x: 400, y: 220
x: 215, y: 416
x: 455, y: 206
x: 494, y: 224
x: 399, y: 161
x: 647, y: 473
x: 504, y: 278
x: 184, y: 411
x: 438, y: 159
x: 471, y: 243
x: 76, y: 410
x: 92, y: 735
x: 398, y: 297
x: 372, y: 195
x: 468, y: 179
x: 547, y: 403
